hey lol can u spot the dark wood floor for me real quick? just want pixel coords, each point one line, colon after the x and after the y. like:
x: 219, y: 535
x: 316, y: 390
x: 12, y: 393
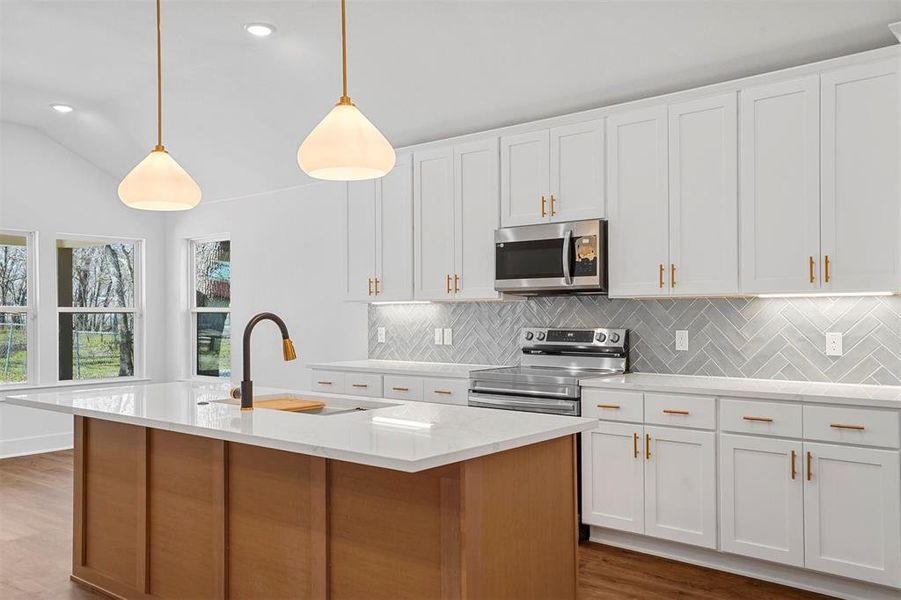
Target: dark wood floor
x: 36, y: 549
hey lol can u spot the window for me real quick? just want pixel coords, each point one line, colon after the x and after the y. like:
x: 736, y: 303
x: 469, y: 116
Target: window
x: 17, y: 331
x: 98, y: 293
x: 210, y: 307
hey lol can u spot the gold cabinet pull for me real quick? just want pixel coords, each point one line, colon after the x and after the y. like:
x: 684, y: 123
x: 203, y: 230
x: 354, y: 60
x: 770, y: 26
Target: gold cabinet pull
x: 826, y: 275
x: 456, y: 283
x: 324, y: 382
x: 543, y: 211
x: 553, y: 208
x: 443, y: 392
x: 794, y: 468
x: 614, y: 406
x: 809, y: 466
x: 370, y: 286
x: 759, y: 419
x: 672, y: 275
x: 675, y: 411
x: 647, y: 446
x: 360, y: 385
x: 447, y: 284
x: 661, y: 275
x: 634, y: 445
x: 400, y: 389
x: 377, y: 291
x: 810, y: 266
x: 845, y: 426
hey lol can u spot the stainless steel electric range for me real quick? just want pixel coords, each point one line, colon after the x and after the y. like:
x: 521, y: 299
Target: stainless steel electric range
x: 552, y: 363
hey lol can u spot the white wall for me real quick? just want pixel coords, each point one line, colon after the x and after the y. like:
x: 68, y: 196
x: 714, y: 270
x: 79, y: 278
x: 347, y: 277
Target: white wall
x: 285, y: 258
x: 48, y: 189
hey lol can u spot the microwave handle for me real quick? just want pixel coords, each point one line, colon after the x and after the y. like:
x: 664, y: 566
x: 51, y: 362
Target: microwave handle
x: 567, y: 239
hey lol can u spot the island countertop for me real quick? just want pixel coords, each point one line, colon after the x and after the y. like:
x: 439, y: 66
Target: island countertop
x: 408, y: 436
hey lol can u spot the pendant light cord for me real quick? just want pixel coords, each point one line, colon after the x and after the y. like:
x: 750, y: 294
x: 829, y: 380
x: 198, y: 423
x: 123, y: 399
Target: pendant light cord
x: 159, y: 83
x: 344, y: 97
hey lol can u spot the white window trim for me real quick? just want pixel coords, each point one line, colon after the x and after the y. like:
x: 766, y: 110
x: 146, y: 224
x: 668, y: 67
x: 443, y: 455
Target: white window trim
x: 194, y: 310
x: 29, y: 310
x: 137, y: 310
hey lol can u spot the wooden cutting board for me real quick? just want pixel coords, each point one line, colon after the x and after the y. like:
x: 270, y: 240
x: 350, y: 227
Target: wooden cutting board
x: 289, y: 404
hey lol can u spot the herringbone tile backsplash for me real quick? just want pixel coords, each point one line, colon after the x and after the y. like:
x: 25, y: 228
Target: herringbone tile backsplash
x: 761, y: 338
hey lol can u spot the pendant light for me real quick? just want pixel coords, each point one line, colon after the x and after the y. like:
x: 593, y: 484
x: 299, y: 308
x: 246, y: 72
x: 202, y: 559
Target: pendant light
x: 158, y: 182
x: 345, y: 145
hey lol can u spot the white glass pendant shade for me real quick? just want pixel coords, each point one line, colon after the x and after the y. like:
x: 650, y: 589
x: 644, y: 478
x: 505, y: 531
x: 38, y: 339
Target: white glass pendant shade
x: 159, y: 183
x: 345, y: 146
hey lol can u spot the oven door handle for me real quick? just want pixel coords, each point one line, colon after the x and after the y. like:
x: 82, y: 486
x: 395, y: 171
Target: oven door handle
x: 548, y: 405
x: 482, y: 388
x: 567, y: 238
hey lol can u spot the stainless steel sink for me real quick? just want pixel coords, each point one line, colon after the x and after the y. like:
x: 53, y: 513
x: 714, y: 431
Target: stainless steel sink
x: 332, y: 406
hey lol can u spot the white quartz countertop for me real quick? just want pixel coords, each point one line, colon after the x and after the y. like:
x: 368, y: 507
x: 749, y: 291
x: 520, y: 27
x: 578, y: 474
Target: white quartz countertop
x: 885, y: 396
x: 407, y: 436
x: 403, y: 367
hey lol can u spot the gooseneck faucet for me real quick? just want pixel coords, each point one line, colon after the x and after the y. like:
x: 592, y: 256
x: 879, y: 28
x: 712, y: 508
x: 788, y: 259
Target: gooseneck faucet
x: 287, y: 352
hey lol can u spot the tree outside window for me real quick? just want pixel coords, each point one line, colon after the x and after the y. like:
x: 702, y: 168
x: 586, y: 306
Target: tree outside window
x: 211, y: 297
x: 14, y: 307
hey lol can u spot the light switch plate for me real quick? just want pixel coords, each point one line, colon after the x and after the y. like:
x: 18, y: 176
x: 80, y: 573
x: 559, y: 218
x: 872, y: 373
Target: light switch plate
x: 682, y: 340
x: 381, y: 334
x: 833, y: 344
x: 439, y: 336
x: 448, y: 336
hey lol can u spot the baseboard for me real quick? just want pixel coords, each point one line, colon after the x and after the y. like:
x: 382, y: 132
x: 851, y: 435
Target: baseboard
x: 35, y: 445
x: 812, y: 581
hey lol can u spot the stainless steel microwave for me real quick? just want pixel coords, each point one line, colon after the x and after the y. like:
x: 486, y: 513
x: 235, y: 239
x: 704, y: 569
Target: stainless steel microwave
x: 552, y: 258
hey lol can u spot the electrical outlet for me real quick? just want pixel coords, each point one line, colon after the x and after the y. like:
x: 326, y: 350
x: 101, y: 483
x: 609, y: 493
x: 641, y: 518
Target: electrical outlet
x: 381, y: 334
x: 448, y: 336
x: 833, y: 344
x: 682, y: 340
x: 439, y: 336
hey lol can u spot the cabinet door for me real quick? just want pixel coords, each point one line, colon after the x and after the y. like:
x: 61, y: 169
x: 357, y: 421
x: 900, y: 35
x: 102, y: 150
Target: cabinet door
x: 852, y: 507
x: 680, y: 485
x: 637, y: 202
x: 477, y: 213
x: 394, y: 232
x: 861, y: 213
x: 613, y: 476
x: 359, y: 243
x: 780, y: 187
x: 577, y: 171
x: 525, y: 169
x: 761, y: 495
x: 703, y: 176
x: 433, y: 224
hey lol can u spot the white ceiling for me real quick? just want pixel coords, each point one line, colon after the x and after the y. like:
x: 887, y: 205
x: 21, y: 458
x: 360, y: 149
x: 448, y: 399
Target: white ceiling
x: 236, y: 107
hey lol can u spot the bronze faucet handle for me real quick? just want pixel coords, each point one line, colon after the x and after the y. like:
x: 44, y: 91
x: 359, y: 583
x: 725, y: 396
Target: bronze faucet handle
x: 235, y: 393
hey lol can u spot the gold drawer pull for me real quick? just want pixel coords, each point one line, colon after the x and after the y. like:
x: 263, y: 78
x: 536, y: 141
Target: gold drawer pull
x: 675, y: 411
x: 370, y: 286
x: 614, y: 406
x: 553, y: 208
x: 360, y: 385
x: 759, y: 419
x: 794, y: 468
x: 634, y: 445
x: 810, y: 265
x: 324, y: 382
x: 400, y: 389
x: 543, y: 211
x: 661, y: 275
x: 826, y: 266
x: 443, y: 392
x: 843, y: 426
x: 809, y: 466
x: 447, y: 284
x: 672, y: 275
x: 377, y: 290
x: 456, y: 283
x: 647, y: 446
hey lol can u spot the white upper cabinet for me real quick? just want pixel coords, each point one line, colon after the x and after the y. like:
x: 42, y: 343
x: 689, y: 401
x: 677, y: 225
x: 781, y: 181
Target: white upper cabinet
x: 525, y: 178
x: 861, y: 209
x: 359, y: 241
x: 553, y: 174
x: 637, y: 202
x: 433, y: 223
x: 780, y: 187
x: 703, y: 195
x: 476, y: 217
x: 394, y: 232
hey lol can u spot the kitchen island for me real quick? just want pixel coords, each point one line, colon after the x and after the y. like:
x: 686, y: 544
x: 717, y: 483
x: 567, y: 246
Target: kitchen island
x: 180, y: 494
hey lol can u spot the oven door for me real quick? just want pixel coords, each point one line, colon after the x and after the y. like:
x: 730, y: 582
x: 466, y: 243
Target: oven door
x: 525, y: 403
x: 555, y: 257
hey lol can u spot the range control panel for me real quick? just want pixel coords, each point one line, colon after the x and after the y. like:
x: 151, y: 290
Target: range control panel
x: 592, y: 338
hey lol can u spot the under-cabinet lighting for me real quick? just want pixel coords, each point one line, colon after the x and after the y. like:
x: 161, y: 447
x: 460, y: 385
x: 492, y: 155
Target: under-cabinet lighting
x: 402, y: 423
x: 388, y: 302
x: 62, y: 108
x: 825, y: 294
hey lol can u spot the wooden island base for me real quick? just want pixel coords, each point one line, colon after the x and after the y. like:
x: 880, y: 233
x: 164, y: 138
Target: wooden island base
x: 167, y: 515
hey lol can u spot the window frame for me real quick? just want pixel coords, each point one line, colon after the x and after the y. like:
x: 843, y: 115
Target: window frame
x: 194, y: 310
x: 137, y: 310
x: 29, y: 310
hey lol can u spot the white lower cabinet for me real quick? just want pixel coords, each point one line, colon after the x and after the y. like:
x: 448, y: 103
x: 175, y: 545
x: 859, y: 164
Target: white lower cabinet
x: 761, y: 498
x: 852, y: 508
x: 613, y: 480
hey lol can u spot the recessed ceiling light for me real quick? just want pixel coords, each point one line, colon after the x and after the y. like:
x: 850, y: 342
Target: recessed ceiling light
x: 259, y: 30
x: 62, y: 108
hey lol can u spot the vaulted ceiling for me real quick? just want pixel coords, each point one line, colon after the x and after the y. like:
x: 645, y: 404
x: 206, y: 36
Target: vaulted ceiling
x: 237, y: 107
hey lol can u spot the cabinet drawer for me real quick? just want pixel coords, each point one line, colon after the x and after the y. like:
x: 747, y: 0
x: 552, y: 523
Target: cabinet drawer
x: 612, y: 405
x: 445, y: 391
x: 328, y: 381
x: 761, y: 418
x: 867, y: 427
x: 363, y: 384
x: 403, y: 388
x: 678, y: 410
